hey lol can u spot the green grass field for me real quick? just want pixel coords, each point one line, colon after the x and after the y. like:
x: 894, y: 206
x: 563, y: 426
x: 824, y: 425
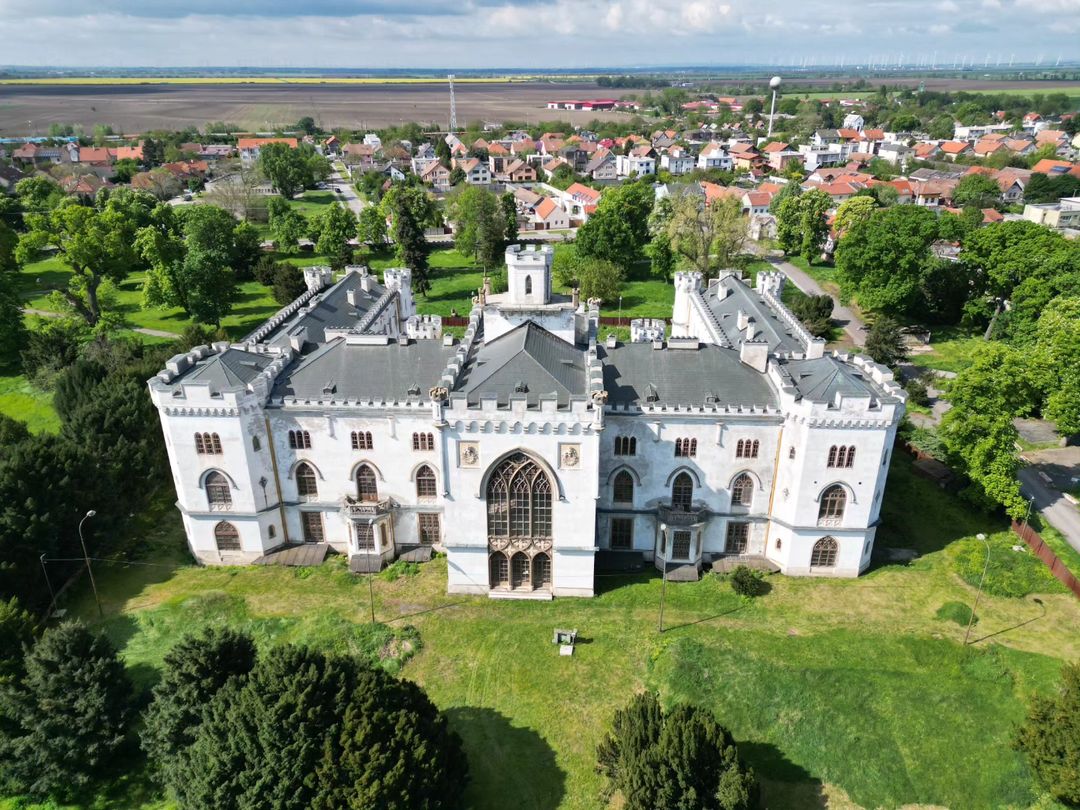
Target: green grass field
x: 951, y: 349
x: 841, y: 693
x: 20, y: 400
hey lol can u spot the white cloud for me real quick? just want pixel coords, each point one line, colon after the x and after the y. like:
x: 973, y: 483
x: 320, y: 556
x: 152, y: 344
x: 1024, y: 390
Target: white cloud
x: 524, y: 33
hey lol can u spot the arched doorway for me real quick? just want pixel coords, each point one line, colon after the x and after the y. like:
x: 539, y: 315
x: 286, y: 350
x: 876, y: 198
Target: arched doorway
x: 541, y: 574
x: 520, y: 571
x: 500, y: 570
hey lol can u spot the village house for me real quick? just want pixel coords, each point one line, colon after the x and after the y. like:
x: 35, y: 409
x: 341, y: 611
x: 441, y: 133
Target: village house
x: 250, y: 147
x: 1062, y: 215
x: 603, y: 166
x: 678, y: 160
x: 715, y: 156
x: 436, y: 175
x: 951, y: 150
x: 548, y: 215
x: 476, y: 171
x: 640, y: 162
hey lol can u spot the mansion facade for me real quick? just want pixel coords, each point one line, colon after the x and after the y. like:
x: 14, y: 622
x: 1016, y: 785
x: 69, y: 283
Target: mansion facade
x: 528, y: 449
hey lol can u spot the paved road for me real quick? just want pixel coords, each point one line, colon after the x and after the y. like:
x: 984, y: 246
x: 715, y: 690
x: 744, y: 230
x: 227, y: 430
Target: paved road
x: 1057, y: 511
x: 854, y: 328
x: 345, y: 191
x: 161, y: 333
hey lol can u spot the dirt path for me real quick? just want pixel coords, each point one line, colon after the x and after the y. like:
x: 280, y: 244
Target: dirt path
x: 853, y: 327
x: 161, y: 333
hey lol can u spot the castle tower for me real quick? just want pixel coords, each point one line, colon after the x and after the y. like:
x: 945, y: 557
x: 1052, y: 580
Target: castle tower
x: 528, y: 274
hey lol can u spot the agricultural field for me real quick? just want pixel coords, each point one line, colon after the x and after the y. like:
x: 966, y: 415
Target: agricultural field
x: 841, y: 693
x: 137, y: 106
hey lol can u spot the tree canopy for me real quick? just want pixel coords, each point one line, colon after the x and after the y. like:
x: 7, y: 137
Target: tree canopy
x: 63, y: 722
x: 292, y: 170
x: 677, y: 760
x: 479, y: 225
x: 308, y: 730
x: 1050, y: 737
x: 619, y: 228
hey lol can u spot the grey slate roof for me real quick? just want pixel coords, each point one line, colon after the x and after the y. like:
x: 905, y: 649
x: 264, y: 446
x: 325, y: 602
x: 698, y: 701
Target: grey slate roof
x: 681, y: 376
x: 331, y: 310
x: 380, y: 372
x: 729, y: 297
x: 234, y: 368
x: 821, y: 379
x: 527, y: 357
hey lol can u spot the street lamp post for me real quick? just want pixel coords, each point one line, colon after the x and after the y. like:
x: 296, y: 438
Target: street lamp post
x: 978, y: 594
x: 774, y: 83
x: 86, y: 557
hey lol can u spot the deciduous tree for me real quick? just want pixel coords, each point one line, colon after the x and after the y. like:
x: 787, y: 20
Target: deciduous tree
x: 287, y: 225
x: 619, y: 228
x: 96, y: 242
x: 332, y: 228
x: 479, y: 225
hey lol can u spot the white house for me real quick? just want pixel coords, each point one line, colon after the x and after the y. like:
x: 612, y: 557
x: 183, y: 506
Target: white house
x: 641, y: 161
x: 528, y: 451
x: 678, y: 160
x: 715, y: 156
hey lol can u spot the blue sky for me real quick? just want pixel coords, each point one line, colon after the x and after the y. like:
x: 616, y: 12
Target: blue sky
x: 532, y: 33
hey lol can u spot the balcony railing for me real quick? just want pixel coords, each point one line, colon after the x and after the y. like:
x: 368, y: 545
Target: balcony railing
x: 681, y: 516
x: 354, y: 508
x: 829, y: 522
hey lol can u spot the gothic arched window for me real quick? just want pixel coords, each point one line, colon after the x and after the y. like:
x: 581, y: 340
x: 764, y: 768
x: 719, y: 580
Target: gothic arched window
x: 218, y: 494
x: 425, y: 483
x: 519, y: 499
x: 682, y: 492
x: 528, y: 285
x: 307, y: 483
x: 622, y: 490
x: 824, y: 553
x: 367, y: 488
x: 226, y: 536
x: 742, y: 491
x: 833, y: 501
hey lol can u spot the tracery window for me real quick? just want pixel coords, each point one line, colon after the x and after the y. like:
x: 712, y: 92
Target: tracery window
x: 299, y: 440
x: 833, y: 501
x: 747, y: 448
x: 686, y: 448
x: 423, y: 441
x: 824, y: 553
x: 361, y: 440
x: 742, y: 490
x: 622, y: 489
x: 519, y: 499
x: 625, y: 446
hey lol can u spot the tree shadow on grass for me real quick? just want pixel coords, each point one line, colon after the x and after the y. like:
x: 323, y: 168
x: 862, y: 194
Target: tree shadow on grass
x: 783, y: 783
x: 497, y: 750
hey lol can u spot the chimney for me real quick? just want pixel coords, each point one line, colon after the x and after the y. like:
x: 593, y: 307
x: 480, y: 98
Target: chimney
x: 353, y: 297
x: 366, y: 282
x: 755, y: 354
x: 576, y: 293
x: 742, y: 320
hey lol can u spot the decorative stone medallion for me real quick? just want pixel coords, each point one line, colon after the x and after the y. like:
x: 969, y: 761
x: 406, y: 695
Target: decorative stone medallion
x: 468, y: 454
x: 569, y: 456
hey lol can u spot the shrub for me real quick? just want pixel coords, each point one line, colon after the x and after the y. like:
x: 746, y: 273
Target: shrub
x: 674, y: 760
x: 1010, y: 573
x: 747, y: 581
x: 917, y: 391
x: 288, y: 283
x: 1051, y: 738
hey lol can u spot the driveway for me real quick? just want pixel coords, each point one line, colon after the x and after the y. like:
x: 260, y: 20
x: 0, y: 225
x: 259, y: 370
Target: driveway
x: 854, y: 328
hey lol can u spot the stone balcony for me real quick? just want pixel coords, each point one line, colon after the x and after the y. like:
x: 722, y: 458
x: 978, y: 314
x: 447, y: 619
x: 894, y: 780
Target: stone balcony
x: 353, y: 508
x: 679, y: 516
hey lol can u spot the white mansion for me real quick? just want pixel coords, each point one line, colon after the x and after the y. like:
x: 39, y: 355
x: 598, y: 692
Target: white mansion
x: 526, y: 450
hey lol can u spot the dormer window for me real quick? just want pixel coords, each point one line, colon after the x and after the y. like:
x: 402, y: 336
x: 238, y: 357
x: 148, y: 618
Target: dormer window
x: 414, y: 390
x: 520, y: 387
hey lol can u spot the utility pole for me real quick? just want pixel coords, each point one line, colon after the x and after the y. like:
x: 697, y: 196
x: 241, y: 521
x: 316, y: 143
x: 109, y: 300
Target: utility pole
x: 86, y: 557
x: 663, y: 593
x: 978, y: 594
x: 48, y: 582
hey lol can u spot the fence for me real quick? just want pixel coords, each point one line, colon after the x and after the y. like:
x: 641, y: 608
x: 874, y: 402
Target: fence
x: 1044, y: 553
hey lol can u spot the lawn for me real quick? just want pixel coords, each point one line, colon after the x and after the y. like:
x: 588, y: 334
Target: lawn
x: 253, y: 306
x: 310, y: 203
x: 21, y: 401
x: 854, y: 691
x: 951, y: 349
